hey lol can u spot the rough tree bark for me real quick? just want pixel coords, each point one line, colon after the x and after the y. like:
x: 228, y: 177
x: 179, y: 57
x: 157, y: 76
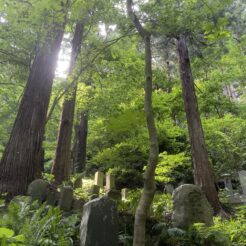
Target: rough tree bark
x: 149, y: 176
x: 80, y: 148
x: 21, y: 160
x: 62, y: 162
x: 203, y: 175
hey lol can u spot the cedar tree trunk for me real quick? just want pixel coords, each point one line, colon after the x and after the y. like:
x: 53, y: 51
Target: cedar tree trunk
x: 62, y: 163
x: 80, y: 151
x: 149, y: 176
x: 203, y: 175
x: 21, y: 159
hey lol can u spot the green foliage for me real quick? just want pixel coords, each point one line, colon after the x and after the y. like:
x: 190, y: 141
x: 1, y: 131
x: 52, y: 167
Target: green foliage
x: 125, y: 239
x: 85, y: 193
x: 222, y: 233
x: 49, y: 177
x: 125, y: 155
x: 161, y: 206
x: 130, y: 205
x: 38, y: 224
x: 127, y: 177
x: 111, y: 89
x: 174, y: 18
x: 7, y: 237
x: 173, y: 167
x: 225, y: 139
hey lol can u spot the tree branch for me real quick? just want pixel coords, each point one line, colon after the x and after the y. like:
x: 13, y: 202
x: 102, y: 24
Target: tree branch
x: 76, y: 77
x: 135, y: 20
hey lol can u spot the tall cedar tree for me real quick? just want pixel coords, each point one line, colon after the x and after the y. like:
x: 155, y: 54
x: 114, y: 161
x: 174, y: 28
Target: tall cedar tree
x: 149, y: 176
x: 62, y: 163
x: 203, y: 175
x: 22, y: 157
x: 80, y: 146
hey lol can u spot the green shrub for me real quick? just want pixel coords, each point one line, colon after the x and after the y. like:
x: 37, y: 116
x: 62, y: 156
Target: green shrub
x: 162, y: 204
x: 39, y: 224
x: 85, y: 193
x: 223, y: 233
x: 127, y: 178
x: 7, y: 237
x: 124, y: 155
x: 130, y: 204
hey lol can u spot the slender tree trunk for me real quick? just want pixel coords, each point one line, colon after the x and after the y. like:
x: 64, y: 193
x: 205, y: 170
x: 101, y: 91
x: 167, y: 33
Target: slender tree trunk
x: 74, y: 148
x: 149, y: 176
x: 63, y: 159
x: 21, y: 160
x: 203, y: 175
x: 80, y: 151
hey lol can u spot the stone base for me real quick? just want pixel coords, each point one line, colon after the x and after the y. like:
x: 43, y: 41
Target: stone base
x: 237, y: 199
x: 114, y: 194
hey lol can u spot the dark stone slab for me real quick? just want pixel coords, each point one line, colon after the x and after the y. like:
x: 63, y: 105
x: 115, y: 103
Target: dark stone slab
x: 99, y: 224
x: 66, y: 198
x: 53, y: 197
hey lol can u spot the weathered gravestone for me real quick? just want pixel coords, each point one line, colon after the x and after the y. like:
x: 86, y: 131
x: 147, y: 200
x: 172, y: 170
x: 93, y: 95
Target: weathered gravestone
x: 110, y: 182
x: 99, y: 224
x: 66, y: 198
x: 37, y: 190
x: 99, y: 176
x: 242, y: 178
x: 190, y: 206
x: 53, y: 197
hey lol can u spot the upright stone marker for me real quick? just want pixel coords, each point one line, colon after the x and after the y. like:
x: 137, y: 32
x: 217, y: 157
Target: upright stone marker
x: 227, y: 181
x: 99, y: 176
x: 110, y: 182
x: 66, y: 198
x: 190, y: 206
x: 99, y: 225
x: 242, y: 178
x: 53, y: 197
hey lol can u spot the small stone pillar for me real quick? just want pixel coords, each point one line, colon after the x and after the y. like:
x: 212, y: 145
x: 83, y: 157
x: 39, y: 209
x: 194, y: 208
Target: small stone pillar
x: 99, y: 176
x: 66, y: 198
x: 110, y: 182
